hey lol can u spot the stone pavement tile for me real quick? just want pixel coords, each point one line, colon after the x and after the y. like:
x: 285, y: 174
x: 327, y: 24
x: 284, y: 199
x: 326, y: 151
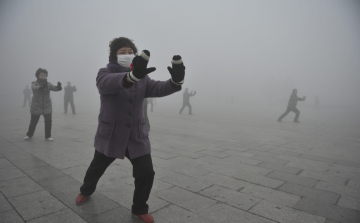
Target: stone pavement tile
x: 10, y: 217
x: 62, y: 216
x: 187, y: 170
x: 239, y: 153
x: 36, y: 204
x: 349, y: 202
x: 224, y: 181
x: 97, y: 204
x: 119, y: 171
x: 270, y: 159
x: 324, y: 177
x: 305, y: 164
x: 331, y: 221
x: 117, y: 191
x: 348, y: 163
x: 175, y: 214
x: 330, y: 211
x: 259, y: 179
x: 344, y: 173
x: 44, y: 173
x: 158, y: 185
x: 188, y: 161
x: 318, y: 158
x: 225, y: 213
x: 77, y: 172
x: 4, y: 204
x: 293, y: 178
x: 19, y: 186
x: 215, y: 154
x: 61, y: 186
x: 353, y: 183
x: 10, y: 172
x: 186, y: 182
x: 185, y: 199
x: 162, y: 162
x: 207, y: 160
x: 272, y: 195
x: 284, y: 151
x: 5, y: 163
x: 63, y: 163
x: 321, y: 195
x: 162, y: 154
x: 30, y: 163
x: 281, y: 213
x: 240, y: 159
x: 280, y: 168
x: 117, y: 215
x: 231, y: 197
x: 339, y: 189
x: 156, y: 203
x: 19, y: 155
x: 231, y: 169
x: 162, y: 172
x: 261, y: 153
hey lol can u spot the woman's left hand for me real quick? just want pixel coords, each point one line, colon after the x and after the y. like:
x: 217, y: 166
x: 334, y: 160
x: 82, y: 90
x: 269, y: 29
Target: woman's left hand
x: 59, y: 86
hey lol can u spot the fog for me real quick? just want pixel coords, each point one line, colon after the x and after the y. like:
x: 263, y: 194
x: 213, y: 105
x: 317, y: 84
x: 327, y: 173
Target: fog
x: 257, y: 51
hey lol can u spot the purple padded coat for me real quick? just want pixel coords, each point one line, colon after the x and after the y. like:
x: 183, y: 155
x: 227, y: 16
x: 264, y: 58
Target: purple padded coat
x: 121, y: 122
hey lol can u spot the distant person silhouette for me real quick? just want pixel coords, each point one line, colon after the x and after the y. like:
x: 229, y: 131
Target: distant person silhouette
x: 145, y: 114
x: 186, y: 100
x: 317, y: 102
x: 150, y: 101
x: 41, y: 103
x: 27, y: 95
x: 292, y: 106
x: 69, y: 97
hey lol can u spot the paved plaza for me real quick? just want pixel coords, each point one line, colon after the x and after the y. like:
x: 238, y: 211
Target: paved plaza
x: 219, y: 165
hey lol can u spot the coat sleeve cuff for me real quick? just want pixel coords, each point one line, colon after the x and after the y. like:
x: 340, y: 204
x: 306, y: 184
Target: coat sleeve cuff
x: 175, y: 86
x: 126, y: 83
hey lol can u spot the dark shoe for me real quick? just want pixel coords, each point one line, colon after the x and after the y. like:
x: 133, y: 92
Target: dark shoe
x: 190, y: 114
x: 80, y: 199
x: 147, y: 218
x: 296, y: 121
x: 279, y: 120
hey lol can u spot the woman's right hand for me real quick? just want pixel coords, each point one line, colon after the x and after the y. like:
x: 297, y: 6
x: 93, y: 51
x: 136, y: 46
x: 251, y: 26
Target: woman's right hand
x: 140, y: 67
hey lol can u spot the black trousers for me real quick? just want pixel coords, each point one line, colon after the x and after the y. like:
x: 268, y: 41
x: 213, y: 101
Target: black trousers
x: 26, y: 99
x: 288, y: 110
x: 33, y: 122
x: 66, y: 103
x: 143, y: 173
x: 184, y: 105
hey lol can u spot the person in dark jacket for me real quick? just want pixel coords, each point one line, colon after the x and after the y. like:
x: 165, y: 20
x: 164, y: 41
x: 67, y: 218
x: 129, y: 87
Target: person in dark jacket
x: 69, y: 97
x: 150, y: 101
x: 41, y: 103
x: 27, y: 95
x: 186, y: 100
x: 292, y: 106
x: 123, y: 85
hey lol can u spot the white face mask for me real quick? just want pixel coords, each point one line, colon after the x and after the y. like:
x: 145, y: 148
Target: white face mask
x: 125, y: 60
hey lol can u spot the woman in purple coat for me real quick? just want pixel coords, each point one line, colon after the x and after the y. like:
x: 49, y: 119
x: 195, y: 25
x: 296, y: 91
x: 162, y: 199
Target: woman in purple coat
x: 123, y: 85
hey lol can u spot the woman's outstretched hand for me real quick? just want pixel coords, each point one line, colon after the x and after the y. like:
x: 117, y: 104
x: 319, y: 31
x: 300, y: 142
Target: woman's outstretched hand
x: 59, y: 86
x: 139, y: 65
x: 177, y: 70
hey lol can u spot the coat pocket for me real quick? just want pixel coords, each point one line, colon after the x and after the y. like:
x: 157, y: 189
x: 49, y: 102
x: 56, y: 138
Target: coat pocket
x: 106, y: 128
x: 143, y: 133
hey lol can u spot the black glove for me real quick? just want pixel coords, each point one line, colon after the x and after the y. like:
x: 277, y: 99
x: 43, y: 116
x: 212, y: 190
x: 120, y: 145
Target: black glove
x: 177, y: 71
x: 59, y: 86
x: 140, y: 63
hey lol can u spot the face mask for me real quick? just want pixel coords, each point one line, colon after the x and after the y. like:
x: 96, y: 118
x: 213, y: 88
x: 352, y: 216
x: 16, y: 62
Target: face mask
x: 125, y: 60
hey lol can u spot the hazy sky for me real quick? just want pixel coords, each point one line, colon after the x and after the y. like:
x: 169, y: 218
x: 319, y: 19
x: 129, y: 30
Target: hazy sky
x: 249, y: 49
